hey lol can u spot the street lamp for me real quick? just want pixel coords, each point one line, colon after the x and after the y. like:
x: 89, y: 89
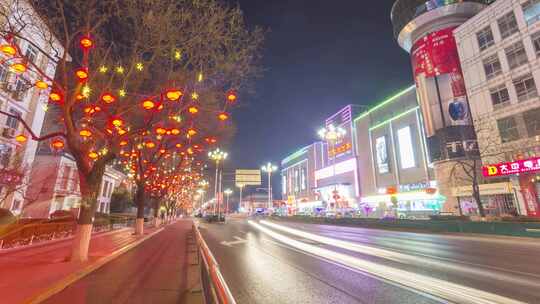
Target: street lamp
x: 332, y: 135
x: 228, y: 193
x: 241, y: 187
x: 269, y: 168
x: 217, y: 155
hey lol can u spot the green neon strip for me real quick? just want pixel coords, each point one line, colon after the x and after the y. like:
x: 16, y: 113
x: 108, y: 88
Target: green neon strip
x: 385, y: 102
x: 393, y: 118
x: 294, y: 155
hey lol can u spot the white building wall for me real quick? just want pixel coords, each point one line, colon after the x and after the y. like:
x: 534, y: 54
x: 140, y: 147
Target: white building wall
x: 477, y: 83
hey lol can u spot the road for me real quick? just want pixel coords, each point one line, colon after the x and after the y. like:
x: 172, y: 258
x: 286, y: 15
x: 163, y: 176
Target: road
x: 282, y: 262
x: 153, y: 272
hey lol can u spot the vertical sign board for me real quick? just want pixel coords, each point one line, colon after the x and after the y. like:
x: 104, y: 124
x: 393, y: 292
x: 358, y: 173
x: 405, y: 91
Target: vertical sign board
x: 442, y: 96
x: 248, y: 178
x: 343, y: 148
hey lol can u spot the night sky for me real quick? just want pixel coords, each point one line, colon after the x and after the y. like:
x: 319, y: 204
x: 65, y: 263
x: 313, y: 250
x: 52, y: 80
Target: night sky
x: 319, y: 56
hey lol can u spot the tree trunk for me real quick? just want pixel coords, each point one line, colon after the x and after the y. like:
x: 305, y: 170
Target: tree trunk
x: 476, y: 195
x: 139, y: 201
x: 157, y: 221
x: 89, y: 187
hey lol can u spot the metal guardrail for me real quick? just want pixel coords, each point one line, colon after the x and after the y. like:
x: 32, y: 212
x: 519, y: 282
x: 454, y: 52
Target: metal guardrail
x: 28, y: 234
x: 215, y: 289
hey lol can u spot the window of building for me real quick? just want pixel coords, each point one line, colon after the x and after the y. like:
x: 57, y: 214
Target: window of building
x: 406, y: 150
x: 531, y: 11
x: 492, y: 66
x: 4, y: 73
x: 296, y: 180
x: 31, y: 54
x: 5, y: 157
x: 499, y: 95
x: 284, y: 184
x: 516, y: 55
x: 65, y: 178
x: 525, y: 87
x: 16, y: 205
x: 12, y: 122
x: 507, y: 24
x: 508, y: 129
x: 536, y: 42
x: 303, y: 181
x: 532, y: 122
x: 485, y: 38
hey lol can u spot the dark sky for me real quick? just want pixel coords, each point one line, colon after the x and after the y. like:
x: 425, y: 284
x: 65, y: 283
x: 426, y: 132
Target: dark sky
x: 319, y: 56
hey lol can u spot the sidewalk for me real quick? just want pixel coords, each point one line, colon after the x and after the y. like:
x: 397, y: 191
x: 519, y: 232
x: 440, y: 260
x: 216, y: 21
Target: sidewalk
x: 28, y: 273
x: 157, y: 271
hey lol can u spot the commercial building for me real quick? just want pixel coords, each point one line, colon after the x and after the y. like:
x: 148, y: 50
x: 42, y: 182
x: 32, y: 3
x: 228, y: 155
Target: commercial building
x: 298, y: 177
x: 396, y: 177
x: 337, y: 182
x: 19, y: 97
x: 499, y: 50
x: 425, y: 30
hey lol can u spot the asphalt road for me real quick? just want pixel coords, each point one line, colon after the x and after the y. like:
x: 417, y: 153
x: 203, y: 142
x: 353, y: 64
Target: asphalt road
x: 153, y: 272
x: 277, y: 262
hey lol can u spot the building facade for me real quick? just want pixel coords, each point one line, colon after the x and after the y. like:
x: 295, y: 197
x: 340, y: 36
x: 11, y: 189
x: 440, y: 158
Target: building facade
x: 298, y: 177
x: 499, y: 50
x: 396, y: 177
x: 20, y: 97
x: 337, y: 182
x: 425, y: 30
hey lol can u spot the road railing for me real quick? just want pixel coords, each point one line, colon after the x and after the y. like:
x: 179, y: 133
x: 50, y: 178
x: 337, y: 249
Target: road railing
x: 32, y: 233
x: 214, y: 287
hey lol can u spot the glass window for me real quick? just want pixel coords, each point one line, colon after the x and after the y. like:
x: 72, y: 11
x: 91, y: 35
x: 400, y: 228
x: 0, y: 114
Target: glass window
x: 499, y: 95
x: 12, y: 122
x: 406, y: 150
x: 507, y: 24
x: 16, y: 205
x: 284, y: 184
x: 65, y: 178
x: 296, y: 180
x: 531, y: 11
x: 5, y: 157
x: 31, y: 54
x: 4, y: 73
x: 532, y: 122
x: 303, y: 182
x: 492, y: 66
x: 485, y: 38
x: 525, y: 87
x: 536, y: 42
x: 508, y: 129
x: 516, y: 55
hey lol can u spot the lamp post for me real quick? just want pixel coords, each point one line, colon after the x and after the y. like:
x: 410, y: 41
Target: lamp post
x: 217, y: 155
x: 228, y: 193
x: 269, y: 168
x: 201, y: 192
x: 241, y: 187
x: 332, y: 135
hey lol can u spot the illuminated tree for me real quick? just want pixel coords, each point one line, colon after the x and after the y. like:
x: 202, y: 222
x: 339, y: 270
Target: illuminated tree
x: 129, y: 66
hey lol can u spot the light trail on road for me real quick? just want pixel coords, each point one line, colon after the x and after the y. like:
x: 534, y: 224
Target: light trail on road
x: 439, y: 288
x: 406, y: 258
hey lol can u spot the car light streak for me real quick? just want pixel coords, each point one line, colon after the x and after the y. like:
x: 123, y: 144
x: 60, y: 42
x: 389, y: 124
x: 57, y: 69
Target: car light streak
x: 445, y: 290
x: 405, y: 258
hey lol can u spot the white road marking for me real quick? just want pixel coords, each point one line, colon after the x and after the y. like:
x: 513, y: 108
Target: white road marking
x: 439, y: 288
x: 239, y: 240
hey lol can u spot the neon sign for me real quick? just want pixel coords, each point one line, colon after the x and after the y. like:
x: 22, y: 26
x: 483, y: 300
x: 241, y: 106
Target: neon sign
x: 511, y: 168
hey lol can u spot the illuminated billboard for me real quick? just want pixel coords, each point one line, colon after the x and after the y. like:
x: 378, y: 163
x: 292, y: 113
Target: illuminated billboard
x: 512, y: 168
x: 381, y: 150
x: 442, y: 96
x: 406, y: 149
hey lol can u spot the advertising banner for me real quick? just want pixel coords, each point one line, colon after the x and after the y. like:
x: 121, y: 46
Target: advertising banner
x: 343, y: 148
x: 442, y: 94
x: 511, y: 168
x: 248, y: 178
x: 381, y: 150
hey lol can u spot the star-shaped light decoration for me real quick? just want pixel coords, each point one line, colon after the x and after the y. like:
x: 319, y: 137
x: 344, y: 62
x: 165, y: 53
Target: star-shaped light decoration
x: 139, y: 66
x: 103, y: 69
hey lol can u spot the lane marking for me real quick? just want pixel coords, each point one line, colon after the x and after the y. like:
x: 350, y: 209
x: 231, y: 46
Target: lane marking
x: 239, y: 240
x: 439, y: 288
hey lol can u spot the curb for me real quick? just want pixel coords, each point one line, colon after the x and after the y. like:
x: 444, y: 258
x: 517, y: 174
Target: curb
x: 79, y: 274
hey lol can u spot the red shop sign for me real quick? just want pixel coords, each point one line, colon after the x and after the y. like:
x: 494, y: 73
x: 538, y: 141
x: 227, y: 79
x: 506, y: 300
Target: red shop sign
x: 518, y: 166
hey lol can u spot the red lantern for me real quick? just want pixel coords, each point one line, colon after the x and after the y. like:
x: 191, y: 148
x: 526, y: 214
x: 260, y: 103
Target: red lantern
x: 57, y: 144
x: 231, y: 96
x: 223, y: 116
x: 108, y: 98
x: 174, y: 94
x: 193, y: 110
x: 148, y: 104
x: 55, y: 96
x: 86, y: 43
x: 82, y: 74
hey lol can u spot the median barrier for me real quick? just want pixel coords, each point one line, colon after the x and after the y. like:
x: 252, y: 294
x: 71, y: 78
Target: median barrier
x: 505, y: 228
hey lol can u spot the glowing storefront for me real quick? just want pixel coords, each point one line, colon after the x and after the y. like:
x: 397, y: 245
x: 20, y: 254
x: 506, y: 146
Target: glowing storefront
x: 396, y: 177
